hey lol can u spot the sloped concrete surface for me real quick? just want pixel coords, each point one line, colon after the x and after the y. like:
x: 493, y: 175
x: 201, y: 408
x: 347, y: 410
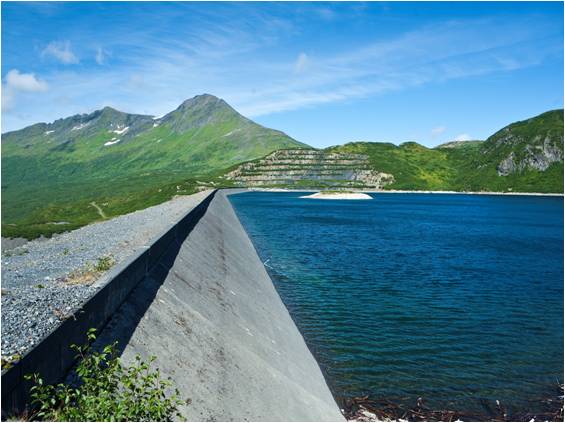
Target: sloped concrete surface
x: 211, y: 315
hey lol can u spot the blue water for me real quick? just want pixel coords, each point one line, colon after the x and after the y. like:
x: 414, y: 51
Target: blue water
x: 449, y: 297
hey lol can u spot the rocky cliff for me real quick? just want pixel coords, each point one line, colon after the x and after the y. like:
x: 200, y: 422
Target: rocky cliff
x: 532, y: 144
x: 310, y: 168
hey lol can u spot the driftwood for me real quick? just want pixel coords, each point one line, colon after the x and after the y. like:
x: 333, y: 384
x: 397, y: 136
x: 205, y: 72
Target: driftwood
x: 365, y: 409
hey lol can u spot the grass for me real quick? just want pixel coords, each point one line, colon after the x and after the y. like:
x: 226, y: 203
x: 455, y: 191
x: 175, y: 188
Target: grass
x: 30, y: 210
x: 51, y: 186
x: 416, y: 167
x: 90, y: 273
x: 71, y: 177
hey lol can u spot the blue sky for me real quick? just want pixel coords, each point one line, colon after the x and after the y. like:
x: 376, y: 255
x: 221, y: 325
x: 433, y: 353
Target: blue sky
x: 325, y: 73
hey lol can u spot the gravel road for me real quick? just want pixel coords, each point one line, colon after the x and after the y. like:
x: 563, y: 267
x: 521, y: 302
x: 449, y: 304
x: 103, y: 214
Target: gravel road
x: 35, y: 299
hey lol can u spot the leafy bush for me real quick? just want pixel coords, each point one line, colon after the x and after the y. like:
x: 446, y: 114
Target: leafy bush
x: 107, y: 391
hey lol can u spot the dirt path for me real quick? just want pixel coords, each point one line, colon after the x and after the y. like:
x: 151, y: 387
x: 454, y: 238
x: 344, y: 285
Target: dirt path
x: 100, y: 211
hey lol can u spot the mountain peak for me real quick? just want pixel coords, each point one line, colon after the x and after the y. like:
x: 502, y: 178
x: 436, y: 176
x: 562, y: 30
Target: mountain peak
x: 198, y: 111
x: 203, y: 100
x: 108, y: 109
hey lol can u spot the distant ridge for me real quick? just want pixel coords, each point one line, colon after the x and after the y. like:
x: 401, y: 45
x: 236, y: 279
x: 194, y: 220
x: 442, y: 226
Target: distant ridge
x: 52, y: 172
x: 130, y: 160
x: 525, y: 156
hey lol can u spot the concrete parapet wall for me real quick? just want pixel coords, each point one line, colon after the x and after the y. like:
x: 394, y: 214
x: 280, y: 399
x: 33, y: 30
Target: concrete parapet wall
x: 52, y: 357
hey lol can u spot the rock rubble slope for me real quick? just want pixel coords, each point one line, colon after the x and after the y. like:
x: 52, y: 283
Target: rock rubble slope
x: 35, y: 296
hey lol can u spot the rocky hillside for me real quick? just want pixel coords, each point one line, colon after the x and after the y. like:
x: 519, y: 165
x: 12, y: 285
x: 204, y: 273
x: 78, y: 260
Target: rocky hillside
x: 310, y: 168
x: 525, y: 156
x: 533, y: 144
x: 52, y: 172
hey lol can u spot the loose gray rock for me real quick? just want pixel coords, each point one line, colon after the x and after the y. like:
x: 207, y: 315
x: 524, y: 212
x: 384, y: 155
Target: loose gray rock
x: 35, y: 299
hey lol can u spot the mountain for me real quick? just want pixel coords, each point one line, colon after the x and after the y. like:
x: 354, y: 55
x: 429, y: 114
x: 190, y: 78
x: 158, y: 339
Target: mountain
x: 533, y: 144
x: 525, y: 156
x: 203, y: 135
x: 58, y: 176
x: 51, y: 172
x: 459, y: 144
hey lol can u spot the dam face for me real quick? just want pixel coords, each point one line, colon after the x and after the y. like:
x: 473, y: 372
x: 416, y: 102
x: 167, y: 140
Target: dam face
x: 210, y: 314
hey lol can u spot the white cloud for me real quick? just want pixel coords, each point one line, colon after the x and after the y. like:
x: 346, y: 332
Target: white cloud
x: 15, y: 82
x: 101, y: 56
x: 60, y: 50
x: 463, y: 137
x: 238, y: 59
x: 301, y: 63
x: 24, y: 82
x: 437, y: 131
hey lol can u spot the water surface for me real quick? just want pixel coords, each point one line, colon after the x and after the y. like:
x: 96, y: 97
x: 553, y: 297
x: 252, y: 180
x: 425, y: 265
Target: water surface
x: 449, y: 297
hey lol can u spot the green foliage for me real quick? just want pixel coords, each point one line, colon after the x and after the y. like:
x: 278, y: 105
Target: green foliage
x: 34, y: 209
x: 9, y: 361
x: 414, y: 166
x: 52, y: 172
x: 108, y: 391
x: 471, y: 165
x: 104, y: 264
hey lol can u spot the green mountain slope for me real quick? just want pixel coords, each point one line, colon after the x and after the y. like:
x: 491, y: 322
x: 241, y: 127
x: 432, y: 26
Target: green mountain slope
x: 52, y: 172
x: 413, y: 166
x: 524, y: 156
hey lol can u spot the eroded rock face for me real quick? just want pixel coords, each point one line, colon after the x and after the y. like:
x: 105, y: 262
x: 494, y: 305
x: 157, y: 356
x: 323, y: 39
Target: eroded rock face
x: 310, y: 167
x: 538, y: 156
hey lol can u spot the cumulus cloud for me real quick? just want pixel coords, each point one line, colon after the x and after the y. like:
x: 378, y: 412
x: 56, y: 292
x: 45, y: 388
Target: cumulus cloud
x: 24, y: 82
x: 101, y: 56
x: 301, y: 63
x: 463, y: 137
x: 15, y: 82
x: 60, y: 50
x: 437, y: 131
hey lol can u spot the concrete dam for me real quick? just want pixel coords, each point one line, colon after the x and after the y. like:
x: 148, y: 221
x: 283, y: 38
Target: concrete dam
x: 200, y: 300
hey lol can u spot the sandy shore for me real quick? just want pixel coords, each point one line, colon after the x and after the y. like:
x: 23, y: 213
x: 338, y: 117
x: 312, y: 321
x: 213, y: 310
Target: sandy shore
x: 419, y: 192
x: 338, y: 196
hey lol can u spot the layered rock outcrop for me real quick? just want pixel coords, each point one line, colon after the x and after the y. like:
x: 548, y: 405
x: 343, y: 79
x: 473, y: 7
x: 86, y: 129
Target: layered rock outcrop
x: 310, y: 168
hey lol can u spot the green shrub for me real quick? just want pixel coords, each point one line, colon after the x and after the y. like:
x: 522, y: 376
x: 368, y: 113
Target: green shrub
x: 108, y: 391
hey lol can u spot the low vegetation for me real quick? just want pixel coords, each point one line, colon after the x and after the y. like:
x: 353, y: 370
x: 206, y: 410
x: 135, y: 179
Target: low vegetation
x: 57, y: 178
x: 30, y: 210
x: 52, y: 173
x: 106, y: 390
x: 90, y: 273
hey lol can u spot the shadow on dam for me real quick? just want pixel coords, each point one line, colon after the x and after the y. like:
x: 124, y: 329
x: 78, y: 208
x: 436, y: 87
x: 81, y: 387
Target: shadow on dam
x: 121, y: 327
x: 210, y: 315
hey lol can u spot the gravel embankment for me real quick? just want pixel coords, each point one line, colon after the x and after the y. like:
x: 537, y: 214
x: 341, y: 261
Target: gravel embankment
x: 35, y: 298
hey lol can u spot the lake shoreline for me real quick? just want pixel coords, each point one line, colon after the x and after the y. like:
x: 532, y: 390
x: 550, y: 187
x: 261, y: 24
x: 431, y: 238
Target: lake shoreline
x: 375, y: 191
x: 376, y: 402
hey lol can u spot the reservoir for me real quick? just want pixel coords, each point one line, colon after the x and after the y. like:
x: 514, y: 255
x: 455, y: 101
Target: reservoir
x: 452, y: 298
